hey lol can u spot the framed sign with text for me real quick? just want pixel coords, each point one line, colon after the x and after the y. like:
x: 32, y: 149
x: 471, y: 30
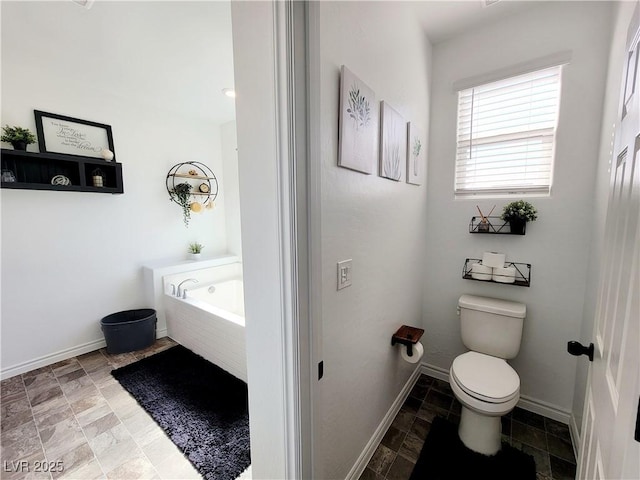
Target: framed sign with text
x: 72, y: 136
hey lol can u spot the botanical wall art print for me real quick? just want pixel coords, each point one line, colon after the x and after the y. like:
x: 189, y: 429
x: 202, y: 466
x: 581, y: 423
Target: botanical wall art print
x: 393, y: 147
x: 358, y: 139
x: 415, y: 155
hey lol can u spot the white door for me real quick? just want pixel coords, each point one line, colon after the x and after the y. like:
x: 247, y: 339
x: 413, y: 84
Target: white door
x: 608, y: 449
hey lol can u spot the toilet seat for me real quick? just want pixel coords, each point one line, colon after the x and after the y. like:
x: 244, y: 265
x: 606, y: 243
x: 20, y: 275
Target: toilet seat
x: 485, y: 378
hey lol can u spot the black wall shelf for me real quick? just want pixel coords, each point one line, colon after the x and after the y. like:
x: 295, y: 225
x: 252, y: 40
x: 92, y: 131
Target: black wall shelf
x: 522, y: 278
x: 34, y: 171
x: 495, y: 225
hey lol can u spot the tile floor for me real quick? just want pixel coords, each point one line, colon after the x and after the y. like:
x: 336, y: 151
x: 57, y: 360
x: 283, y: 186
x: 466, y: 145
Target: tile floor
x: 75, y: 415
x: 547, y: 440
x: 73, y: 420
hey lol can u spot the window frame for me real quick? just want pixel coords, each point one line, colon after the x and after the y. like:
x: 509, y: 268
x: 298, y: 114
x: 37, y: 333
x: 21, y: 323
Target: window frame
x: 546, y: 141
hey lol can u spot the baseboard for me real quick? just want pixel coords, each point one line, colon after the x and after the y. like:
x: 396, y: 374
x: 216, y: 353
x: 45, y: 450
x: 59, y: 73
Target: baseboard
x: 575, y: 435
x: 545, y: 409
x: 527, y: 403
x: 58, y: 356
x: 51, y: 358
x: 435, y: 372
x: 375, y: 440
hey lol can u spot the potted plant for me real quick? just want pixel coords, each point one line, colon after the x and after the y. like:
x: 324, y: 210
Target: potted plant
x: 18, y: 137
x: 181, y: 195
x: 195, y: 250
x: 518, y: 213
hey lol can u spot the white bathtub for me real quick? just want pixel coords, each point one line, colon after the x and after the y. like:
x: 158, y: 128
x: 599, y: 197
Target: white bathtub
x: 210, y: 320
x: 227, y: 296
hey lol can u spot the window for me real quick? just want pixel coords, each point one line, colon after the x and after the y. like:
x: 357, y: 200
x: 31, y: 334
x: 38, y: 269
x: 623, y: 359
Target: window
x: 506, y: 135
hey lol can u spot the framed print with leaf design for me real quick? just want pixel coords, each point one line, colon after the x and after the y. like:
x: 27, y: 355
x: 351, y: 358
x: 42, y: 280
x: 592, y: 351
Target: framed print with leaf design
x: 358, y: 136
x: 393, y: 145
x: 72, y: 136
x: 415, y: 155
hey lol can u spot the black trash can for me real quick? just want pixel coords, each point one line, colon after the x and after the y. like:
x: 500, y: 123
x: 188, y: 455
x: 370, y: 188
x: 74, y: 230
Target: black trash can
x: 129, y: 330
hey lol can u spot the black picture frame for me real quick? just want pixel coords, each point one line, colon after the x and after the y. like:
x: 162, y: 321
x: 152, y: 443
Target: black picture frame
x: 73, y: 137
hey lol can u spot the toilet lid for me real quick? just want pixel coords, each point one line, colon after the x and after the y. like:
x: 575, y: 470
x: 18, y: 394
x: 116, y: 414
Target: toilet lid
x: 485, y: 377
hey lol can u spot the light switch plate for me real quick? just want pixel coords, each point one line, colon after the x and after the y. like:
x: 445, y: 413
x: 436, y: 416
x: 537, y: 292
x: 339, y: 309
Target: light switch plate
x: 344, y: 273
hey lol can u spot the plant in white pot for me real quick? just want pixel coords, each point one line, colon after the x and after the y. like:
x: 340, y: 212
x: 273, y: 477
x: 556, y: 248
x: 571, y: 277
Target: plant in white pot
x: 195, y: 250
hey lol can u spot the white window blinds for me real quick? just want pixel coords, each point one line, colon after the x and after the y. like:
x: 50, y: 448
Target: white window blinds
x: 506, y: 134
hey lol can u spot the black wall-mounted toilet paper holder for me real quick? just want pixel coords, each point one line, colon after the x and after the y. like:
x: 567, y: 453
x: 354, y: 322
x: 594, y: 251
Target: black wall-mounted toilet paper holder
x: 408, y: 336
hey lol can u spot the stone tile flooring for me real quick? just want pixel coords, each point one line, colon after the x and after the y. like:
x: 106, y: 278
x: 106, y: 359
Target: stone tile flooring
x: 547, y: 440
x: 73, y: 420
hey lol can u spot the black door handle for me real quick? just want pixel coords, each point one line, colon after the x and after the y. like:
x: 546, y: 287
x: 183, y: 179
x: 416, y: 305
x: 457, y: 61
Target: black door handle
x: 577, y: 349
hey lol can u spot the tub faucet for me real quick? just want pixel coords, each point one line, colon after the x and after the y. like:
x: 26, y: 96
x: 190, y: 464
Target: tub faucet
x: 179, y: 292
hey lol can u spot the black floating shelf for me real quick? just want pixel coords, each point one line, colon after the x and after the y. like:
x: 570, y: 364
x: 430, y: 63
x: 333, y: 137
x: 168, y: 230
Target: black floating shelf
x: 34, y: 171
x: 522, y: 278
x: 494, y: 225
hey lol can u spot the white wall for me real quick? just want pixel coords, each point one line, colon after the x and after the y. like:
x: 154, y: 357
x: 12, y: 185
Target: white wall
x: 617, y: 57
x: 557, y: 245
x: 70, y: 258
x: 378, y: 223
x: 231, y: 186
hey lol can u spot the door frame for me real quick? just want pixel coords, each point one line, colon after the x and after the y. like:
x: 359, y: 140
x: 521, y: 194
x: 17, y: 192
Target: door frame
x: 628, y: 21
x: 280, y: 234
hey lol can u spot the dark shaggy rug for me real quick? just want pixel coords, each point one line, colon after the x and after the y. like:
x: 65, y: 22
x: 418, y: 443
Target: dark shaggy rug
x: 444, y: 457
x: 202, y: 408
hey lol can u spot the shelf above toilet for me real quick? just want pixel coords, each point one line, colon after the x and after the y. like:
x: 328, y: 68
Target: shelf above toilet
x: 522, y: 274
x: 494, y: 225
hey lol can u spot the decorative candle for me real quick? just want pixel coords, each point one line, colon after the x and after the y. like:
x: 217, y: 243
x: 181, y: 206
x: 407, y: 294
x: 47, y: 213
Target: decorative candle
x: 98, y: 178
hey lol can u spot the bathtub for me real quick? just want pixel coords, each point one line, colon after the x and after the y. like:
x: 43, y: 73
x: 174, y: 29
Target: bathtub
x: 210, y: 320
x: 227, y: 296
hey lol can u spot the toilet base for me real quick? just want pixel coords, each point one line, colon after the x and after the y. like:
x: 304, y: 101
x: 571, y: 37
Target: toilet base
x: 480, y: 433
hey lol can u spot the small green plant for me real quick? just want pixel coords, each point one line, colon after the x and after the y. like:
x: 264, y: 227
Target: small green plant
x: 195, y: 247
x: 17, y: 134
x: 519, y: 210
x: 181, y: 195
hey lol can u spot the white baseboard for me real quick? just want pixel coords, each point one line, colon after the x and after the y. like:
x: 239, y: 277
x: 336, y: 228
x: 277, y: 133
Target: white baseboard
x: 435, y: 372
x: 545, y: 409
x: 527, y: 403
x: 575, y: 436
x: 375, y: 440
x: 58, y: 356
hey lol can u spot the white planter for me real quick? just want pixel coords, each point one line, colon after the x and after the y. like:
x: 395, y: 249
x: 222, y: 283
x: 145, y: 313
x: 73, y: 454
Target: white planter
x: 195, y: 256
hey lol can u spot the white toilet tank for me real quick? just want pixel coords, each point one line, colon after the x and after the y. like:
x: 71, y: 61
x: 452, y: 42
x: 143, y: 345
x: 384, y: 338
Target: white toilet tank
x: 491, y: 325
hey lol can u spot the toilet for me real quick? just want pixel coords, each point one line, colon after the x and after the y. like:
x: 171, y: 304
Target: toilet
x: 481, y: 379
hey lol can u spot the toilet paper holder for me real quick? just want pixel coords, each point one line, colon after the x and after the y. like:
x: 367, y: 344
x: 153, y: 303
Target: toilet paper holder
x: 408, y: 336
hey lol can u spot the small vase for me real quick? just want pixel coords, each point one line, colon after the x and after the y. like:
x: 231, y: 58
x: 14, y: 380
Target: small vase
x: 195, y: 256
x: 517, y: 226
x: 19, y: 145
